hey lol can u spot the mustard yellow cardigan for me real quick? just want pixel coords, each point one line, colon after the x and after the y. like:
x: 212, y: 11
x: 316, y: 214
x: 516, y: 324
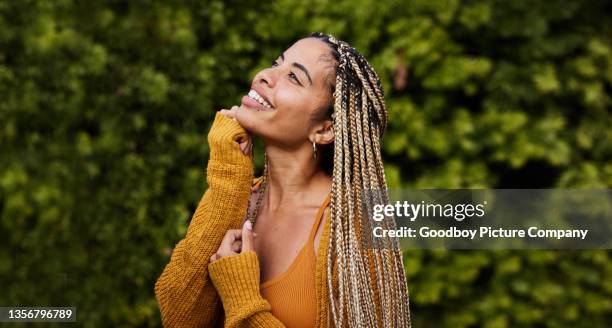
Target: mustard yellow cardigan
x: 193, y: 293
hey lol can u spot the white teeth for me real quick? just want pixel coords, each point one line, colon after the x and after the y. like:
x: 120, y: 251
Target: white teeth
x: 253, y: 94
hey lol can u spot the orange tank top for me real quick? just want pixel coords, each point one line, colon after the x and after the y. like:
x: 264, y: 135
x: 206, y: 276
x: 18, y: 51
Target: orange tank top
x: 292, y: 294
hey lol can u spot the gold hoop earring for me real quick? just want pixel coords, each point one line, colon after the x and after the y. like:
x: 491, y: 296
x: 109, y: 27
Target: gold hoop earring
x: 314, y: 150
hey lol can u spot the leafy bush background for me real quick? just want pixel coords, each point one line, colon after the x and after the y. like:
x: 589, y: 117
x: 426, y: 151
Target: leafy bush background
x: 105, y: 106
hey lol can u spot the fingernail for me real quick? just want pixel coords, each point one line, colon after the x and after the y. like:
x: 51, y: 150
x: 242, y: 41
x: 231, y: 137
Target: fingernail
x: 248, y: 225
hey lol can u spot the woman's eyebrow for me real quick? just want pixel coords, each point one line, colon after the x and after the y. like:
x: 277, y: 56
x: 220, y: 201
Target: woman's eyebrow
x: 300, y: 66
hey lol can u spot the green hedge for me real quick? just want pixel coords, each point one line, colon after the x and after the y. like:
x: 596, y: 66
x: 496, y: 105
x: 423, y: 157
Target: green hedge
x: 105, y: 106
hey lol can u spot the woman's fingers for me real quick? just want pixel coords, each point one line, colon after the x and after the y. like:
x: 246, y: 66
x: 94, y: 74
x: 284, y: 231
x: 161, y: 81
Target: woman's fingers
x: 230, y: 112
x: 231, y: 236
x: 235, y: 241
x: 247, y: 145
x: 230, y: 242
x: 237, y: 246
x: 247, y: 236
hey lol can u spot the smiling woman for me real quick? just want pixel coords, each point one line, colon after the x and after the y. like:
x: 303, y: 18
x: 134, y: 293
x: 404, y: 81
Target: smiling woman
x: 286, y: 249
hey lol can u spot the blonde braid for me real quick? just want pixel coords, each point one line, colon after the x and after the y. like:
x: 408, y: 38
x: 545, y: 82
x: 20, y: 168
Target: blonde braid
x: 385, y: 267
x: 361, y: 277
x: 336, y: 234
x: 357, y: 151
x: 374, y: 184
x: 355, y: 145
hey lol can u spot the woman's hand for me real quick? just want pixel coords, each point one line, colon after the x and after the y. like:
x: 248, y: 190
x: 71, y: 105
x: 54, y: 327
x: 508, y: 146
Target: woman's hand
x: 236, y: 241
x: 247, y: 145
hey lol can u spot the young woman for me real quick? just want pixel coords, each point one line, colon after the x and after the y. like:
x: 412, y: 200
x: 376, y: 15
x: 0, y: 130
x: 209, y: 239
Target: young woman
x: 291, y: 248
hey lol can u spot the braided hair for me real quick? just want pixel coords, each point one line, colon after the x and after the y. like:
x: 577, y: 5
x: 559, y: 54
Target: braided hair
x: 370, y: 286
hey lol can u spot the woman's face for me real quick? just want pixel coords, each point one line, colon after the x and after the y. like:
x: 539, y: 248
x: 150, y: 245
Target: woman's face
x: 295, y: 86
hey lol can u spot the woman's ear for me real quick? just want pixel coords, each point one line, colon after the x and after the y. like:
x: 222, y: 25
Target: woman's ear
x: 324, y: 133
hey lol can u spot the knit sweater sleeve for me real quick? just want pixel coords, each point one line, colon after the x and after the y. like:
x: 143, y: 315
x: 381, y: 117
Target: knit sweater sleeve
x: 236, y: 278
x: 185, y: 295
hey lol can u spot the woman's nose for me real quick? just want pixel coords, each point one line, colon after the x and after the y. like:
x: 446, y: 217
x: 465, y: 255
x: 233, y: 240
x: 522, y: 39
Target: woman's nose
x: 268, y: 77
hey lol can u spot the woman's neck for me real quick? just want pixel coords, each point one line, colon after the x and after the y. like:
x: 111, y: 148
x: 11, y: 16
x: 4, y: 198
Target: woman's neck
x: 294, y: 178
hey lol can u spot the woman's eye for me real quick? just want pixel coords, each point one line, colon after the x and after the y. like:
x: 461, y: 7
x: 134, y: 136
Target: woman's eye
x: 292, y: 75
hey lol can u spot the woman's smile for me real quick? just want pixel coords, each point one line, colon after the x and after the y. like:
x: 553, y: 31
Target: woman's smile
x: 252, y: 103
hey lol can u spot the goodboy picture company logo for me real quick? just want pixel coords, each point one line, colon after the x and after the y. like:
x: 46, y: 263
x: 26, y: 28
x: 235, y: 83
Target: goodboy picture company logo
x: 490, y: 218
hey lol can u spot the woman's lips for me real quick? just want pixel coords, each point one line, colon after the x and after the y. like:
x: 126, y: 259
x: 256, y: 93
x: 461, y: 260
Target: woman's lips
x: 250, y: 102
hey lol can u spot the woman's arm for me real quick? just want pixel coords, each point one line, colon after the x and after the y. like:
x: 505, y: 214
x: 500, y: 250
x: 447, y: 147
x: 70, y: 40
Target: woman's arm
x: 236, y: 279
x: 184, y: 292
